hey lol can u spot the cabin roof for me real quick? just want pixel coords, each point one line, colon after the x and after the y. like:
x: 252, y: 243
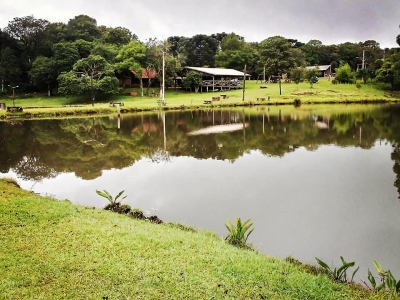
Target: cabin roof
x: 320, y: 68
x: 218, y: 71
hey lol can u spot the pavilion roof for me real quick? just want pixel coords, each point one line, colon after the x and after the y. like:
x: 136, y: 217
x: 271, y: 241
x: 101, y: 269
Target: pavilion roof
x: 218, y: 71
x: 320, y: 68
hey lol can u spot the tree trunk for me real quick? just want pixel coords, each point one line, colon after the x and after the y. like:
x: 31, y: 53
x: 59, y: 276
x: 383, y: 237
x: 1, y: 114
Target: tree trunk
x: 48, y: 90
x: 141, y: 86
x: 91, y: 89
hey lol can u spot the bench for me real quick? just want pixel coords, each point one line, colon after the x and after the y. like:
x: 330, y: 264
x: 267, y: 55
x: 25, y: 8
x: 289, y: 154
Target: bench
x: 207, y: 101
x: 263, y: 87
x: 260, y: 99
x: 116, y: 103
x: 14, y: 108
x: 161, y: 102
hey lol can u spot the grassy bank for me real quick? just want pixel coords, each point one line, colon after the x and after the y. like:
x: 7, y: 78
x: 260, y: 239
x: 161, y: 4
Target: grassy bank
x: 323, y: 92
x: 56, y: 250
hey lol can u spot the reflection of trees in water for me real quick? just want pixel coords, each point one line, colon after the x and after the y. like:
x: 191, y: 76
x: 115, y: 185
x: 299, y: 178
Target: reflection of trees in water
x: 396, y: 168
x: 33, y: 168
x: 39, y: 149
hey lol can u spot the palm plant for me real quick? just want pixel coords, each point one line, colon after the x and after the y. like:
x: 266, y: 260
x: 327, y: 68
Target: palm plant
x: 239, y: 234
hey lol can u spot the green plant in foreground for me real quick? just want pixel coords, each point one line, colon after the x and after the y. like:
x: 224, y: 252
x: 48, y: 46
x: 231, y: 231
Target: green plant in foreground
x: 238, y: 234
x: 114, y: 203
x: 387, y: 280
x: 338, y: 274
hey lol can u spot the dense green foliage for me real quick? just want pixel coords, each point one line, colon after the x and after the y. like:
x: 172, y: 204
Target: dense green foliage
x: 344, y: 74
x: 35, y: 52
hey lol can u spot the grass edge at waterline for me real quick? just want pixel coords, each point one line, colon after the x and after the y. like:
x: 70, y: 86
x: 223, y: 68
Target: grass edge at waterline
x: 40, y: 106
x: 57, y: 250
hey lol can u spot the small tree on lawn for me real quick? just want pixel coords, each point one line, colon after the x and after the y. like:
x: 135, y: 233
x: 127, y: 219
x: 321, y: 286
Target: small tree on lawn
x: 311, y: 76
x: 297, y: 75
x: 192, y: 81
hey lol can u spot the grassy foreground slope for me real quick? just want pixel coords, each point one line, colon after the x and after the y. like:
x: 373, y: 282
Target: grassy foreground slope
x: 56, y: 250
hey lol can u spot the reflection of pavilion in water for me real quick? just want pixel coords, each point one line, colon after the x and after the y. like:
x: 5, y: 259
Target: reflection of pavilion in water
x: 219, y: 122
x: 320, y: 121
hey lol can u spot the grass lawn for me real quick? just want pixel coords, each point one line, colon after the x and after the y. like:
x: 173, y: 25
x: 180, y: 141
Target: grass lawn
x: 322, y: 92
x: 56, y: 250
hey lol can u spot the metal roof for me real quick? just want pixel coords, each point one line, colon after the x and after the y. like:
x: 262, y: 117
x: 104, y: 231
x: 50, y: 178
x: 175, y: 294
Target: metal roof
x: 320, y: 68
x: 218, y: 71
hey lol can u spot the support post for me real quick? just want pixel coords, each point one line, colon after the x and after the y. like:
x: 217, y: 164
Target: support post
x: 244, y: 81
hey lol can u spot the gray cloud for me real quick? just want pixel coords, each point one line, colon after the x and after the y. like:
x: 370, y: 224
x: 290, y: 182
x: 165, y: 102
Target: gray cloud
x: 331, y: 21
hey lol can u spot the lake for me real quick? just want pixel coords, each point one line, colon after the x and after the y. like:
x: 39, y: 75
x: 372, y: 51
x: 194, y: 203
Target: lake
x: 316, y: 181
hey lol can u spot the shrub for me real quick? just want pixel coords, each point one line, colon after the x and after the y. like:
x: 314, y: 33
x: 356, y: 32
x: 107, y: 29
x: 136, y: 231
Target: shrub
x: 344, y: 74
x: 239, y: 234
x: 114, y: 204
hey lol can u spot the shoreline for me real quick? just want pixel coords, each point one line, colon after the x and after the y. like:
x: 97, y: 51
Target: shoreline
x: 55, y: 112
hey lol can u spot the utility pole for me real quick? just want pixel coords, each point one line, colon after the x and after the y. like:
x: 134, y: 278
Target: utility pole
x: 363, y: 60
x: 244, y: 81
x: 280, y: 86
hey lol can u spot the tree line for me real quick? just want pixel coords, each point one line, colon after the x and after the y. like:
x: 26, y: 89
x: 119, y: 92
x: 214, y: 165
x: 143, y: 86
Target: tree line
x: 84, y: 57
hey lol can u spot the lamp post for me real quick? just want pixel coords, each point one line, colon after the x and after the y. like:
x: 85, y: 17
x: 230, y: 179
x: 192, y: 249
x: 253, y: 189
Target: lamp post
x: 13, y: 88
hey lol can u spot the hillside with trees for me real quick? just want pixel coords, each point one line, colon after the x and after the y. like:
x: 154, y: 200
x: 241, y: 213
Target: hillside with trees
x: 83, y: 57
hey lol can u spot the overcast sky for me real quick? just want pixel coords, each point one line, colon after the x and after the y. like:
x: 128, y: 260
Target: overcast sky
x: 330, y: 21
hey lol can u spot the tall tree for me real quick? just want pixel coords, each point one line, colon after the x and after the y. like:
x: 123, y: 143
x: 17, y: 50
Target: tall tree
x: 389, y: 73
x: 65, y: 56
x: 10, y: 70
x: 131, y: 57
x: 312, y: 51
x: 108, y: 51
x: 89, y: 76
x: 275, y: 56
x: 44, y: 73
x: 30, y: 32
x: 235, y: 53
x: 200, y: 51
x: 118, y: 36
x: 350, y: 53
x: 83, y: 27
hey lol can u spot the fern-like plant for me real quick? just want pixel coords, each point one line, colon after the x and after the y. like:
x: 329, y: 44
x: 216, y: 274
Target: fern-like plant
x: 239, y: 234
x: 338, y: 274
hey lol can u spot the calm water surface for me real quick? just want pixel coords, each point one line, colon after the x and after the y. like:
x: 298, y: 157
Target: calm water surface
x: 315, y: 181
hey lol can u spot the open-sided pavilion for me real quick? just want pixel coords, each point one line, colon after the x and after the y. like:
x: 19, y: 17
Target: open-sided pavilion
x: 219, y: 79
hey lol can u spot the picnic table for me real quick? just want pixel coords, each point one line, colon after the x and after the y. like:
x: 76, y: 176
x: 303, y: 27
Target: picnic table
x: 116, y: 103
x: 14, y: 108
x: 207, y: 101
